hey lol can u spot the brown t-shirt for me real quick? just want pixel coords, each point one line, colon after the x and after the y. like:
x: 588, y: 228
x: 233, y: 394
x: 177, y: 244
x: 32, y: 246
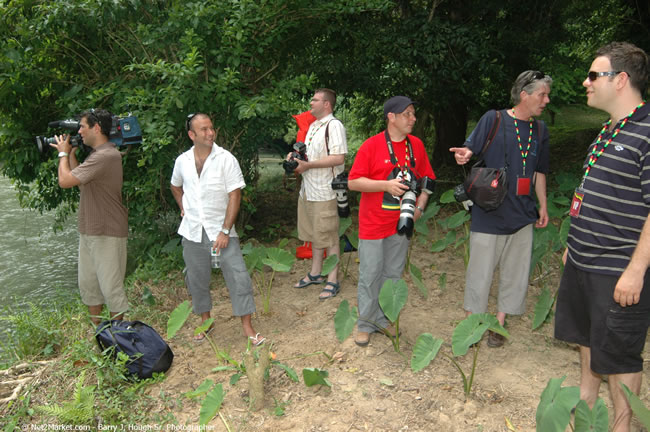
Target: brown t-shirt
x: 100, y: 208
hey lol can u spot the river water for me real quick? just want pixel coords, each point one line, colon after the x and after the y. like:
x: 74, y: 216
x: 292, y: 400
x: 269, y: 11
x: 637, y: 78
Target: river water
x: 37, y: 265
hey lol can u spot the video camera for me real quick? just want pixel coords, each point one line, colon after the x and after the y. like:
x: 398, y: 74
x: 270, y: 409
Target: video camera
x: 124, y: 131
x: 340, y: 186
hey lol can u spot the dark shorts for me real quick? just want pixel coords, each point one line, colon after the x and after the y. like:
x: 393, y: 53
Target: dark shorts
x: 587, y: 315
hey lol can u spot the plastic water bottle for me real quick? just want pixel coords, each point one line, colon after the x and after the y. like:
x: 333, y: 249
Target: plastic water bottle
x: 215, y: 257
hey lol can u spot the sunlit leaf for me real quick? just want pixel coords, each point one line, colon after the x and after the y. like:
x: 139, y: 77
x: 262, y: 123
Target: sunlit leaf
x: 177, y: 318
x: 315, y: 376
x: 211, y: 405
x: 392, y: 298
x: 344, y: 320
x: 425, y: 350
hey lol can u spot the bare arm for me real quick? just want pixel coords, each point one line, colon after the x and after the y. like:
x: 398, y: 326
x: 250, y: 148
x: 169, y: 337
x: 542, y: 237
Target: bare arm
x: 177, y: 191
x: 326, y: 162
x: 540, y: 191
x: 66, y: 163
x: 630, y: 284
x: 234, y: 202
x: 364, y: 184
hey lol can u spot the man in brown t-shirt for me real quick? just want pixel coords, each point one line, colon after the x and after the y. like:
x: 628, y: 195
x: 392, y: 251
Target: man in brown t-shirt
x: 103, y: 225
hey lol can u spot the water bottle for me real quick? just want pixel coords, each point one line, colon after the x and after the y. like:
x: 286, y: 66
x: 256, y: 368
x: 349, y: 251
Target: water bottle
x: 215, y: 257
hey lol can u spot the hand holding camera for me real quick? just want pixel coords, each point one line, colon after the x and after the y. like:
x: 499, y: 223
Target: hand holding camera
x: 406, y: 220
x: 298, y: 153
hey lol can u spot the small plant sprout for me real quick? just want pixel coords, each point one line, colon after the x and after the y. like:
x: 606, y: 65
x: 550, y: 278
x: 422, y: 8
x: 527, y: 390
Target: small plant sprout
x: 278, y: 259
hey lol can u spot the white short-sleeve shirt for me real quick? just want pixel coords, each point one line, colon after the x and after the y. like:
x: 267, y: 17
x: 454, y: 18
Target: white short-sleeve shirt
x: 317, y: 182
x: 205, y: 198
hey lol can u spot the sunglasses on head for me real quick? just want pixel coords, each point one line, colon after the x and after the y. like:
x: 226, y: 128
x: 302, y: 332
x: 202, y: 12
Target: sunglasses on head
x: 188, y: 120
x: 593, y: 75
x: 537, y: 75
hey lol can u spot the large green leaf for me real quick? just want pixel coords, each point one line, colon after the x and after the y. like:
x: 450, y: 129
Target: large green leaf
x: 425, y: 350
x: 642, y: 413
x: 392, y: 298
x: 344, y: 224
x: 564, y: 230
x: 442, y: 244
x: 596, y: 420
x: 447, y: 197
x: 543, y: 307
x: 177, y: 318
x: 211, y: 404
x: 204, y: 326
x: 315, y: 376
x: 416, y: 275
x: 254, y: 257
x: 329, y: 264
x: 279, y: 259
x: 471, y: 330
x: 345, y: 320
x: 555, y: 405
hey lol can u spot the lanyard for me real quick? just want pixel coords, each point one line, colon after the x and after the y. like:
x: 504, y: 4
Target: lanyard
x: 524, y: 154
x: 311, y: 137
x: 409, y: 159
x: 595, y: 153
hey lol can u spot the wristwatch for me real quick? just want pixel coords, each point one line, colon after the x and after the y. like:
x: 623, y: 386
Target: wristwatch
x: 226, y: 231
x: 63, y: 154
x: 420, y: 208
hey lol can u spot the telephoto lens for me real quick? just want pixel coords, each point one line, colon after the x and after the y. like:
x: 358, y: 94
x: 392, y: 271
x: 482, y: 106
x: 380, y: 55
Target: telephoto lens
x: 342, y: 203
x: 406, y: 213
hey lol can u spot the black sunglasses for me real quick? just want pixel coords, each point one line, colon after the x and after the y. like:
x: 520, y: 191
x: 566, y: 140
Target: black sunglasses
x: 537, y: 75
x: 189, y: 120
x: 593, y: 76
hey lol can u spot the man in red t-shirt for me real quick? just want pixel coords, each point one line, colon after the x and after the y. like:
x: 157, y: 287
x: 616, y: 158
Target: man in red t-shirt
x: 381, y: 167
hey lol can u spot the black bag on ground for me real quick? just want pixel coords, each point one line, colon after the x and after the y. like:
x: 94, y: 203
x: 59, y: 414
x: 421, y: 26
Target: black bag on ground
x: 147, y: 351
x: 487, y: 187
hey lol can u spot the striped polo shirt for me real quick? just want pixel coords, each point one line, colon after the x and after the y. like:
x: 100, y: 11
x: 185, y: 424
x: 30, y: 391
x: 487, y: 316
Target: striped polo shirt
x: 616, y: 200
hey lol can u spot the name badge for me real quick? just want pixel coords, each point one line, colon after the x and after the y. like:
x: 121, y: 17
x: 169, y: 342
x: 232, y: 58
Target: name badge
x: 576, y: 203
x: 523, y: 186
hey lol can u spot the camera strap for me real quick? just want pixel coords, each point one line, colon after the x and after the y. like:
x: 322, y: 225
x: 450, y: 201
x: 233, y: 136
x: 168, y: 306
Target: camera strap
x: 409, y: 151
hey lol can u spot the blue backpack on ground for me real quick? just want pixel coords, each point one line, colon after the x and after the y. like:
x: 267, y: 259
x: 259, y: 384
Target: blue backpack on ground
x: 147, y: 351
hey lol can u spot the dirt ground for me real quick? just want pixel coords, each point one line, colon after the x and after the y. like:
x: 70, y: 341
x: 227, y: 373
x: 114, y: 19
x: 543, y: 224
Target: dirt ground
x: 373, y: 388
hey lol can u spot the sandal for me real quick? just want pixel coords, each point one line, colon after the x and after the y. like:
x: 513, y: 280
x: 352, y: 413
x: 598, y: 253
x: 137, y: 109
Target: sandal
x: 201, y: 336
x: 332, y: 292
x: 313, y: 280
x: 257, y: 340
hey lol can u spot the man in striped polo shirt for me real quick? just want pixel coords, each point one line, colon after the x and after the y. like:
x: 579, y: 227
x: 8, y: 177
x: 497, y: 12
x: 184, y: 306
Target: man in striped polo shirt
x: 318, y: 219
x: 603, y: 303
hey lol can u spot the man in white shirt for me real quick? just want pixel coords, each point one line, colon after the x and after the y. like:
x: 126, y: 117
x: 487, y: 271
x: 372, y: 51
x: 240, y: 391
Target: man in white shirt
x: 318, y: 220
x: 207, y: 184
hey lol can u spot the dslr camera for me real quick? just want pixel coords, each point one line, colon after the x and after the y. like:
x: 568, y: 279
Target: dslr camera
x: 298, y: 153
x: 124, y: 131
x: 405, y: 223
x: 340, y: 186
x: 460, y: 194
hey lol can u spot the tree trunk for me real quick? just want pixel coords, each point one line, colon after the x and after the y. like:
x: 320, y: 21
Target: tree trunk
x: 255, y: 372
x: 451, y: 128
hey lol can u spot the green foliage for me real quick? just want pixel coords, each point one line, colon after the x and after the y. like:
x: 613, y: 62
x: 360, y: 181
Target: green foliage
x: 315, y: 376
x: 555, y: 405
x: 177, y: 318
x: 471, y: 330
x: 596, y: 420
x: 642, y: 413
x: 344, y: 320
x: 329, y: 264
x: 543, y: 307
x: 279, y: 260
x: 80, y: 410
x: 37, y: 331
x: 211, y: 404
x: 392, y: 298
x: 416, y: 277
x: 425, y: 350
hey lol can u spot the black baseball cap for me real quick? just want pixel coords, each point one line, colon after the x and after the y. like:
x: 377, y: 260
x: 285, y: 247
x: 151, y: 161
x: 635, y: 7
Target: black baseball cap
x: 397, y: 105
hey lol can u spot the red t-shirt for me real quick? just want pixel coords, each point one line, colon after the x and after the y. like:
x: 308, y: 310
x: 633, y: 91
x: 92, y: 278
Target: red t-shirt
x: 373, y: 162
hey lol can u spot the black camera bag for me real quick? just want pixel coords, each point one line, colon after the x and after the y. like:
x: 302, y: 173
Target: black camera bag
x: 147, y: 351
x: 487, y: 187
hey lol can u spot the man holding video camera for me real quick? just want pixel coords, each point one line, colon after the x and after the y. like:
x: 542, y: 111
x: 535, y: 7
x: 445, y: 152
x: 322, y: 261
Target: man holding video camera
x: 318, y: 219
x: 504, y: 236
x: 103, y: 222
x: 383, y: 166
